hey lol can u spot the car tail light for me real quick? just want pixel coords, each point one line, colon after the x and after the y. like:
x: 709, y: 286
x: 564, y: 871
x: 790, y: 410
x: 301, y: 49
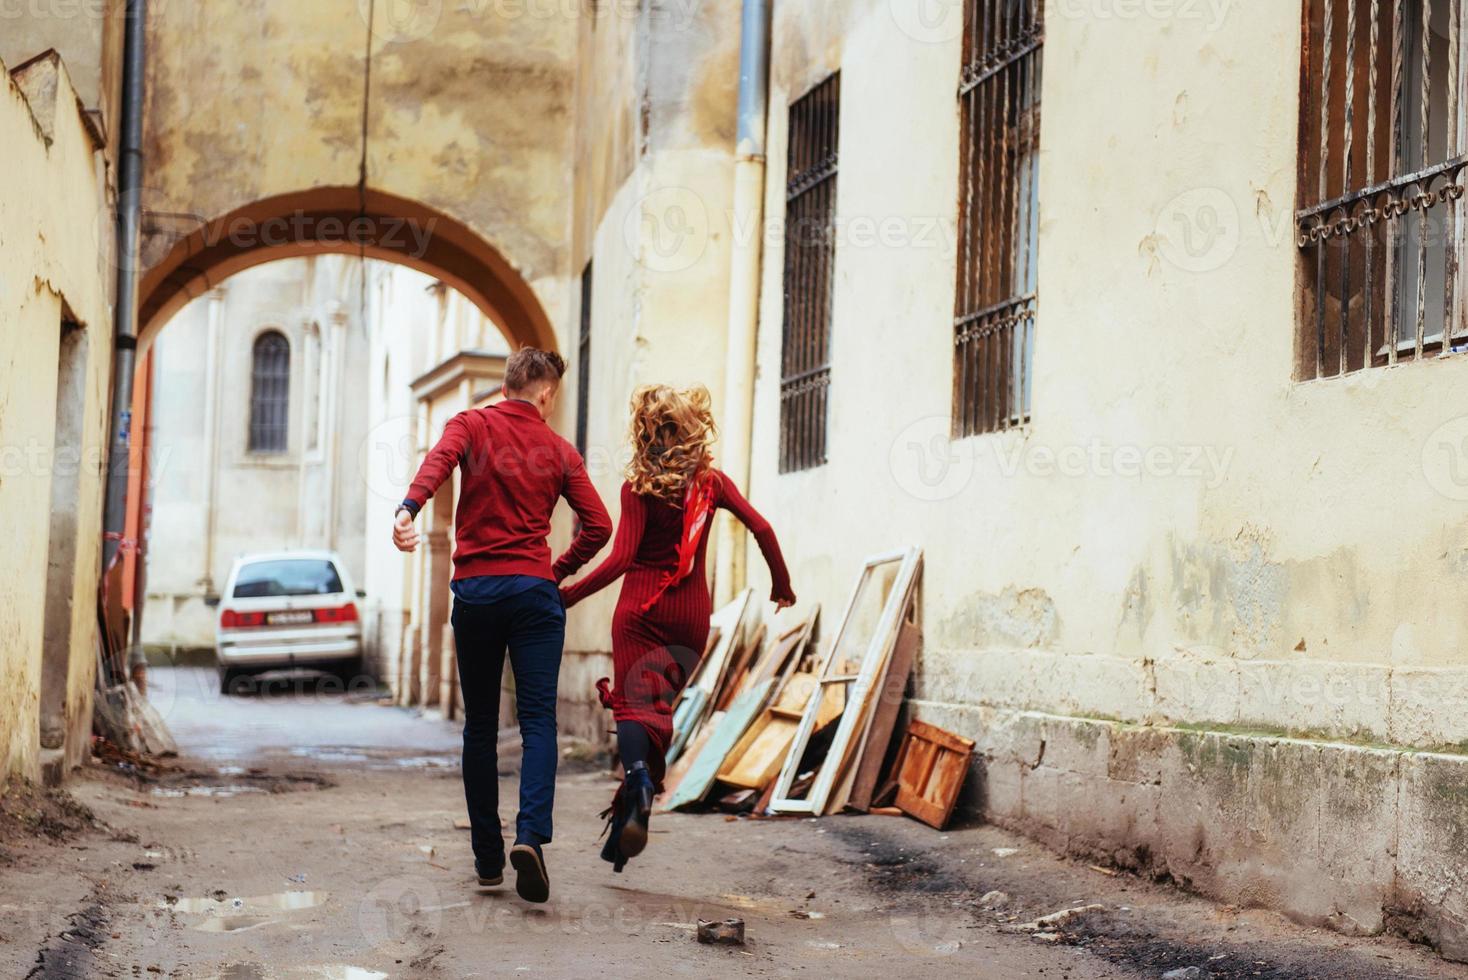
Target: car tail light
x: 231, y: 620
x: 342, y: 614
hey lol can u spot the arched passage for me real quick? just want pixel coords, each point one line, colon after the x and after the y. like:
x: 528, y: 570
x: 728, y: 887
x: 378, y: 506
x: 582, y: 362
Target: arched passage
x: 335, y: 220
x: 191, y: 257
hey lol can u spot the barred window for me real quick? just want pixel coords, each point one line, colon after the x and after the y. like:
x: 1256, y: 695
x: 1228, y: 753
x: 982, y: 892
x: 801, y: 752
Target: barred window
x: 270, y: 382
x: 583, y: 363
x: 1380, y: 161
x: 998, y: 214
x: 810, y: 258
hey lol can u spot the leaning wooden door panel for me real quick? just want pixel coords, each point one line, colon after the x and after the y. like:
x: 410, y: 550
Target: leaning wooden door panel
x: 931, y: 770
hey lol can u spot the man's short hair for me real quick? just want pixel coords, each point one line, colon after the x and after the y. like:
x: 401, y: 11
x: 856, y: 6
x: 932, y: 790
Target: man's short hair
x: 528, y: 367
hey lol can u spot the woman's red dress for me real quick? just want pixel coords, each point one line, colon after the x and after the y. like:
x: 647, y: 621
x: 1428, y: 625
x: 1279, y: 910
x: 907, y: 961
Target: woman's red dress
x: 654, y: 652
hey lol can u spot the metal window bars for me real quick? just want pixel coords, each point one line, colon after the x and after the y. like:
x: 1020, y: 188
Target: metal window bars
x: 998, y: 214
x: 270, y: 384
x: 810, y: 258
x: 1381, y: 158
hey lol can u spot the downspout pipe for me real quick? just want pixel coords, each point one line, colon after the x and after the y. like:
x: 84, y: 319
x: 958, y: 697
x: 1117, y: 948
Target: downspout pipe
x: 129, y: 223
x: 746, y: 270
x: 754, y: 79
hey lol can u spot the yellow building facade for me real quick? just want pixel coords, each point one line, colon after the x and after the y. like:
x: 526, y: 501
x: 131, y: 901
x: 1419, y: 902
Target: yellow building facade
x: 56, y: 330
x: 1040, y: 290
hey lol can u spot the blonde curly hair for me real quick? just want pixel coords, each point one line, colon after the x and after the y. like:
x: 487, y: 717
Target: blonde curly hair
x: 671, y: 432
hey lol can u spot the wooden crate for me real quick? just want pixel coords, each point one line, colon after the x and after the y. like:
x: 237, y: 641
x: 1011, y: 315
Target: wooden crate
x: 931, y: 768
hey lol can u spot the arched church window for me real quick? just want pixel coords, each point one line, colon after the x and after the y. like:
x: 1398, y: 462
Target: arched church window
x: 270, y: 383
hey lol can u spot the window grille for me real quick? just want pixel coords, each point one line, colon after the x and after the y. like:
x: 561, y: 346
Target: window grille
x: 998, y: 214
x: 1379, y: 222
x: 810, y: 258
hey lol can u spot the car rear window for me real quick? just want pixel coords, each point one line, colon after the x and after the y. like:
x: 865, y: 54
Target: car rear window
x: 287, y: 577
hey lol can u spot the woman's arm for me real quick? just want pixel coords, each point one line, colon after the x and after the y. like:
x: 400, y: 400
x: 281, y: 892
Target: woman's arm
x: 596, y: 526
x: 624, y: 549
x: 732, y: 500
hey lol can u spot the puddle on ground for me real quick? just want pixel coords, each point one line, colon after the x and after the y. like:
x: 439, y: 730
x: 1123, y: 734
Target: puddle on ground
x: 241, y: 971
x: 327, y: 754
x: 335, y: 971
x: 427, y: 762
x: 279, y: 902
x: 751, y: 904
x: 224, y: 782
x: 229, y: 915
x: 219, y: 792
x: 377, y: 759
x: 232, y: 923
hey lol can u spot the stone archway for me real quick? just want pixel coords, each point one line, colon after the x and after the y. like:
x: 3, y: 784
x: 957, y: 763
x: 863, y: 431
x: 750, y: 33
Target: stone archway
x: 186, y: 257
x: 336, y: 220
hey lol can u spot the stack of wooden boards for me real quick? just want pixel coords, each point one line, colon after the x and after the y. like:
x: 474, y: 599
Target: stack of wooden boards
x: 121, y: 712
x: 772, y: 723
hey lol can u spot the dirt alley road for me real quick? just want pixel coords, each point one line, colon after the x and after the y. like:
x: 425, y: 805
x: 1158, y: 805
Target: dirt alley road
x: 306, y: 834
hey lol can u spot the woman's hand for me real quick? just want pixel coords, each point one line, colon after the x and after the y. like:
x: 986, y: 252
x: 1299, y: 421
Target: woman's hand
x: 782, y: 601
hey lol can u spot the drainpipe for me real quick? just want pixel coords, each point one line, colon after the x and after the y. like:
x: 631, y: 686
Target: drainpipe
x: 129, y: 221
x: 744, y: 279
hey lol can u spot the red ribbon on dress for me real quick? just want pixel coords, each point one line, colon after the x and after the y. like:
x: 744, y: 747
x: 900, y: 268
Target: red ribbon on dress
x: 698, y: 507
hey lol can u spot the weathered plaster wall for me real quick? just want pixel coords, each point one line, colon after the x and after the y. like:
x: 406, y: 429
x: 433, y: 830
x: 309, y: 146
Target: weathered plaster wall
x: 1184, y: 537
x: 657, y: 90
x: 88, y: 36
x: 465, y: 110
x: 1190, y: 533
x: 609, y: 124
x: 55, y: 266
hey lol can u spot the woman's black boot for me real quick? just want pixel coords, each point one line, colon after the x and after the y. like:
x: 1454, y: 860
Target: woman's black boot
x: 616, y: 817
x: 637, y: 794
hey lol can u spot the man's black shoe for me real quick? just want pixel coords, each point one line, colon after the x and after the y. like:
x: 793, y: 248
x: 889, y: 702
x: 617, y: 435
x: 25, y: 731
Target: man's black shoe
x: 490, y: 875
x: 532, y: 883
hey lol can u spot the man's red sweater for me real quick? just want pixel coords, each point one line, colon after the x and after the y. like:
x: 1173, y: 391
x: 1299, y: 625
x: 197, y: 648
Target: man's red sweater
x: 513, y: 470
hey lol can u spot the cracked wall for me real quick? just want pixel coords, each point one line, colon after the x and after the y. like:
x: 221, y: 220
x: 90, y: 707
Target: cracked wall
x: 655, y: 111
x: 1246, y: 581
x: 465, y: 110
x: 1183, y: 534
x: 54, y: 267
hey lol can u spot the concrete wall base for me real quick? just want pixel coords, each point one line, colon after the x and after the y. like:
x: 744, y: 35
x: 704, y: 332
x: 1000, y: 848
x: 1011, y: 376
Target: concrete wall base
x: 1356, y: 838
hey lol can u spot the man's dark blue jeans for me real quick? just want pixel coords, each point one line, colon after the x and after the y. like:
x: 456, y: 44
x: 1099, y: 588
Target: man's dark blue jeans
x: 531, y: 626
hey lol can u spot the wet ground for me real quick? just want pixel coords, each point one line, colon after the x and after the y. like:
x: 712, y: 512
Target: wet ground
x: 308, y: 833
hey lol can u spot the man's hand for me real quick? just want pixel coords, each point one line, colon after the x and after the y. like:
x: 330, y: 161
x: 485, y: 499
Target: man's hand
x: 404, y: 534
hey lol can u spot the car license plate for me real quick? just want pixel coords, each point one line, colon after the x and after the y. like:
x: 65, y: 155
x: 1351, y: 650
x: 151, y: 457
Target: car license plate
x: 289, y: 618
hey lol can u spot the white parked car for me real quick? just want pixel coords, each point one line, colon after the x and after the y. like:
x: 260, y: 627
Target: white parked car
x: 288, y: 609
